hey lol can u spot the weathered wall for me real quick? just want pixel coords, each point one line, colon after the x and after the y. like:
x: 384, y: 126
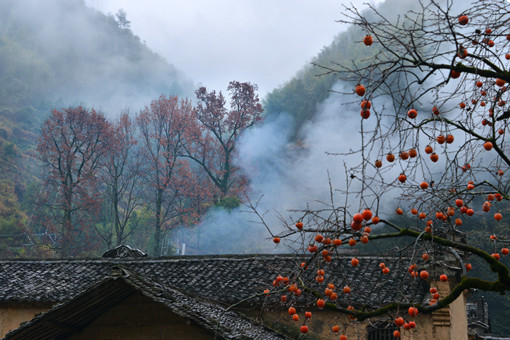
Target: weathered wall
x: 12, y: 316
x: 138, y: 317
x: 459, y: 319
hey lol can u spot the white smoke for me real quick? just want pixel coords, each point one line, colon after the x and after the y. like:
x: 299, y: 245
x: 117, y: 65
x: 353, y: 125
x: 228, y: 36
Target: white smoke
x: 286, y: 176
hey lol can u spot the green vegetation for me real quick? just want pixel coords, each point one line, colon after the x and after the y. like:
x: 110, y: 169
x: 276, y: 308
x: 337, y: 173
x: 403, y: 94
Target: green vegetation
x: 300, y: 96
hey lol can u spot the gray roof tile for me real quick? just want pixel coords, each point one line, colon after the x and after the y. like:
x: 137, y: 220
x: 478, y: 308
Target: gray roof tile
x: 80, y: 311
x: 225, y: 279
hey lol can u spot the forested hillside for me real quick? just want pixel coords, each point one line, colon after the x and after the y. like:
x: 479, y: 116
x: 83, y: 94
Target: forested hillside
x: 57, y: 53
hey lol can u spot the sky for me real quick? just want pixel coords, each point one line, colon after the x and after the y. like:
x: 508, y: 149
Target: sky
x: 213, y: 42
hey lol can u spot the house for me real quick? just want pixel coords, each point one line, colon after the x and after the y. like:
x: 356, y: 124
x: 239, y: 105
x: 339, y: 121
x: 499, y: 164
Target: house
x: 478, y: 320
x: 202, y: 297
x: 478, y: 316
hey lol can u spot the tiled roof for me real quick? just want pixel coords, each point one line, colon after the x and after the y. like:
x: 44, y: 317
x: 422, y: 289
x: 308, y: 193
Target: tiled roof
x: 225, y: 279
x: 77, y: 313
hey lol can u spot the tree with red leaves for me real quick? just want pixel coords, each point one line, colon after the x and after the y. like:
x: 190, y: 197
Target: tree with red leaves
x: 163, y: 126
x: 213, y: 139
x: 73, y: 146
x: 198, y: 198
x: 122, y: 179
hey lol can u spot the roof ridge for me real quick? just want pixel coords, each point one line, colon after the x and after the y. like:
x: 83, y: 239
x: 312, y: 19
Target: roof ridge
x: 188, y: 258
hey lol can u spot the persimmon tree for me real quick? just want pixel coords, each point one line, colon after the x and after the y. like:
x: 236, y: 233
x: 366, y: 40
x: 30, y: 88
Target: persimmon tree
x: 73, y: 146
x: 212, y: 140
x: 163, y: 126
x: 432, y: 94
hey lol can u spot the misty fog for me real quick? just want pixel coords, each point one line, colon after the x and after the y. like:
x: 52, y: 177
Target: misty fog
x: 289, y: 177
x: 87, y: 58
x: 90, y: 60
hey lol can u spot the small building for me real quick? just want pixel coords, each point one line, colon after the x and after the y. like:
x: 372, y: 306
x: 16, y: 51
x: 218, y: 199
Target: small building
x: 203, y: 297
x: 478, y: 317
x: 479, y: 327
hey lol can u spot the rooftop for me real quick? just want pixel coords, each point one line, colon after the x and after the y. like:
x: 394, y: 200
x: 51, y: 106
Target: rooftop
x: 74, y: 315
x: 223, y: 279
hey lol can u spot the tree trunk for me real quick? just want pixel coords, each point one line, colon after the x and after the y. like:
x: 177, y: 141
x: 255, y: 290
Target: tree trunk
x: 157, y: 230
x: 118, y: 231
x: 226, y: 176
x: 65, y: 247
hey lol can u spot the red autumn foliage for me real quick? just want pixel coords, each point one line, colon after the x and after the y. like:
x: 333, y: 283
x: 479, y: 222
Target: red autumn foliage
x: 73, y: 146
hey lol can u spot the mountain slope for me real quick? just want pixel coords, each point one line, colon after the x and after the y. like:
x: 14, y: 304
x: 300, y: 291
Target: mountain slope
x: 56, y: 53
x: 86, y: 56
x: 311, y: 85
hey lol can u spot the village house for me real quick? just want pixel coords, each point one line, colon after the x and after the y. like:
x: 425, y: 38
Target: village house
x: 127, y: 295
